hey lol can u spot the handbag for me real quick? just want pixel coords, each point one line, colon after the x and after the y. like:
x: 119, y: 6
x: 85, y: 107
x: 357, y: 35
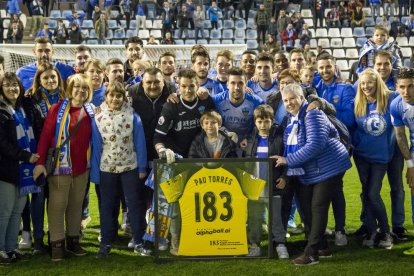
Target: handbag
x: 54, y: 153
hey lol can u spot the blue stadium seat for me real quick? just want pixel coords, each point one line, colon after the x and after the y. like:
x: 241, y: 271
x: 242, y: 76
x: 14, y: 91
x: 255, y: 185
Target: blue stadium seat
x: 240, y: 24
x: 179, y: 42
x: 133, y: 24
x: 227, y: 34
x: 251, y: 24
x: 202, y: 42
x: 92, y: 34
x: 112, y: 24
x: 252, y: 44
x: 369, y: 31
x: 119, y: 34
x: 228, y: 24
x: 190, y: 42
x: 361, y: 41
x: 55, y: 14
x: 219, y: 24
x: 407, y: 63
x: 130, y: 33
x: 207, y: 24
x: 191, y: 33
x: 251, y: 34
x: 239, y: 41
x: 239, y: 34
x: 215, y: 34
x: 227, y: 41
x: 52, y: 24
x: 359, y: 32
x: 92, y: 41
x: 84, y: 32
x: 369, y: 22
x: 87, y: 24
x: 66, y: 13
x: 117, y: 42
x: 215, y: 41
x: 206, y: 33
x: 110, y: 34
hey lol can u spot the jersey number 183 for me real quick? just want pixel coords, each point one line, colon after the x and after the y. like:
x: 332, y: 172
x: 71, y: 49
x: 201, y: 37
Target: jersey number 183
x: 209, y: 210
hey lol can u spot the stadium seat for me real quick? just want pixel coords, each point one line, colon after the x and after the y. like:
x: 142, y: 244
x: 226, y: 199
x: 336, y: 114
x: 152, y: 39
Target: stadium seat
x: 156, y: 33
x: 143, y: 34
x: 369, y: 31
x: 240, y: 24
x: 215, y: 41
x: 117, y: 42
x: 91, y: 41
x: 227, y: 34
x: 191, y: 33
x: 404, y: 19
x: 402, y: 41
x: 367, y: 11
x: 324, y: 42
x: 202, y: 42
x: 179, y: 42
x: 349, y: 42
x: 351, y: 61
x: 110, y: 34
x: 407, y: 63
x: 148, y: 24
x: 251, y: 24
x: 119, y: 34
x: 228, y: 24
x: 306, y: 13
x: 130, y: 33
x: 359, y: 32
x: 336, y: 42
x: 227, y: 41
x: 346, y: 32
x: 252, y: 44
x: 84, y: 32
x: 342, y: 64
x: 339, y: 53
x: 345, y: 75
x: 87, y: 24
x: 321, y: 32
x: 114, y: 13
x: 157, y: 24
x: 220, y: 24
x: 215, y: 34
x: 207, y: 24
x: 239, y: 41
x: 112, y: 24
x: 133, y: 24
x: 66, y: 13
x: 309, y: 21
x: 369, y: 22
x: 206, y: 33
x: 313, y: 43
x: 239, y: 34
x: 6, y: 24
x: 251, y: 34
x: 411, y: 42
x: 334, y: 32
x: 123, y: 23
x: 92, y: 34
x: 361, y: 41
x: 297, y: 43
x: 190, y: 42
x: 252, y: 13
x: 352, y: 53
x: 55, y: 14
x: 406, y: 52
x: 151, y: 14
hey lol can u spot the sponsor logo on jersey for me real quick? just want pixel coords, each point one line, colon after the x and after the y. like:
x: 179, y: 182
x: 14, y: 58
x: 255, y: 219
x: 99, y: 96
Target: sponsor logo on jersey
x: 182, y: 113
x: 335, y: 99
x: 201, y: 109
x: 161, y: 120
x: 245, y: 111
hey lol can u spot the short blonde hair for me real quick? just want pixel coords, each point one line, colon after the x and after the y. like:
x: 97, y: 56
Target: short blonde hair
x: 212, y: 115
x: 81, y: 79
x: 144, y: 63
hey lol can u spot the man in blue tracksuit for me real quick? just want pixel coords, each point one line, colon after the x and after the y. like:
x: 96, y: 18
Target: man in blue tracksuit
x: 43, y: 51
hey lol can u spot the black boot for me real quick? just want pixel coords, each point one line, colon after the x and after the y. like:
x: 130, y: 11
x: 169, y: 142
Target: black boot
x: 73, y: 246
x: 58, y: 250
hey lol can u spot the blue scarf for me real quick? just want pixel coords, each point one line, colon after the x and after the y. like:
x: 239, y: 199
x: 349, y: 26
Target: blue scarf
x: 27, y: 142
x: 292, y: 146
x: 47, y: 100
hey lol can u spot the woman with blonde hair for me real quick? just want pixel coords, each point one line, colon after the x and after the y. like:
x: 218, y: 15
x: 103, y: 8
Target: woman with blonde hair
x: 68, y: 129
x: 373, y: 131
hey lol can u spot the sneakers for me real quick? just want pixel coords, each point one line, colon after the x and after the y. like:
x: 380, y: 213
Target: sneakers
x: 26, y: 240
x: 300, y: 229
x: 39, y: 247
x: 175, y: 243
x: 141, y: 250
x: 104, y: 251
x: 369, y: 242
x: 306, y: 260
x: 85, y: 222
x: 58, y: 250
x: 325, y: 253
x: 254, y: 251
x: 17, y: 255
x: 386, y: 241
x: 4, y: 258
x: 131, y: 244
x: 361, y: 232
x: 399, y: 234
x: 163, y: 246
x: 340, y: 239
x: 409, y: 251
x: 73, y: 246
x: 282, y: 251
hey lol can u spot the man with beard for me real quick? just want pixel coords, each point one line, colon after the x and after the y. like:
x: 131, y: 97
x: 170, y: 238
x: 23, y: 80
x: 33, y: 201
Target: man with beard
x: 166, y: 63
x: 297, y: 59
x: 82, y: 55
x: 248, y: 63
x: 266, y: 85
x: 43, y: 51
x: 200, y: 63
x: 134, y: 50
x: 115, y: 70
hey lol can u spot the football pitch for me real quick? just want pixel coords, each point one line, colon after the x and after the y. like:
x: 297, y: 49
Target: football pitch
x: 349, y: 260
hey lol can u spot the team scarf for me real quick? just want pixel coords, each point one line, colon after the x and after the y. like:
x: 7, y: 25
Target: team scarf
x: 292, y: 143
x: 47, y: 100
x: 64, y: 163
x: 26, y: 141
x: 165, y: 210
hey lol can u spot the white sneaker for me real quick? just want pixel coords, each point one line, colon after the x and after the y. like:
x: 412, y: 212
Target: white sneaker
x: 386, y: 242
x: 282, y: 251
x: 99, y: 237
x: 26, y: 240
x: 124, y: 221
x: 131, y: 244
x: 340, y: 239
x: 254, y: 251
x: 163, y: 247
x: 369, y: 241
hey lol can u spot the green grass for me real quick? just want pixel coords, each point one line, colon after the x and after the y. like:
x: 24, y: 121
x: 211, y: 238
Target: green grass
x: 350, y: 260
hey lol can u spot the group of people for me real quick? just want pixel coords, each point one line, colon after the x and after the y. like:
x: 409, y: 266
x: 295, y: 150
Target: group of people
x: 65, y: 127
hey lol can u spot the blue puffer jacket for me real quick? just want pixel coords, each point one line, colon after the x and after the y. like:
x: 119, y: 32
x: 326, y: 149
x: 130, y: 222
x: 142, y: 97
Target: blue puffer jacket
x: 342, y: 97
x: 321, y: 155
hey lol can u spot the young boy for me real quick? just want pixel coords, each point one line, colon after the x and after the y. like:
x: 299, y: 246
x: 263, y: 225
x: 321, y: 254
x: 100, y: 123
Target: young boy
x: 212, y: 142
x: 266, y: 141
x: 379, y: 41
x: 306, y: 76
x: 138, y: 68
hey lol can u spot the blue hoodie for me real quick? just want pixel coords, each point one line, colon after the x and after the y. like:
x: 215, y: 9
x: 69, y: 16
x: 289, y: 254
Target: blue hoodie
x: 374, y: 136
x: 98, y: 96
x: 13, y: 7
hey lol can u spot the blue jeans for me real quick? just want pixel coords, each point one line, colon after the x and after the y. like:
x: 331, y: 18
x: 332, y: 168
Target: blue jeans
x: 110, y: 189
x: 199, y: 30
x: 371, y: 175
x: 11, y: 207
x: 395, y: 173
